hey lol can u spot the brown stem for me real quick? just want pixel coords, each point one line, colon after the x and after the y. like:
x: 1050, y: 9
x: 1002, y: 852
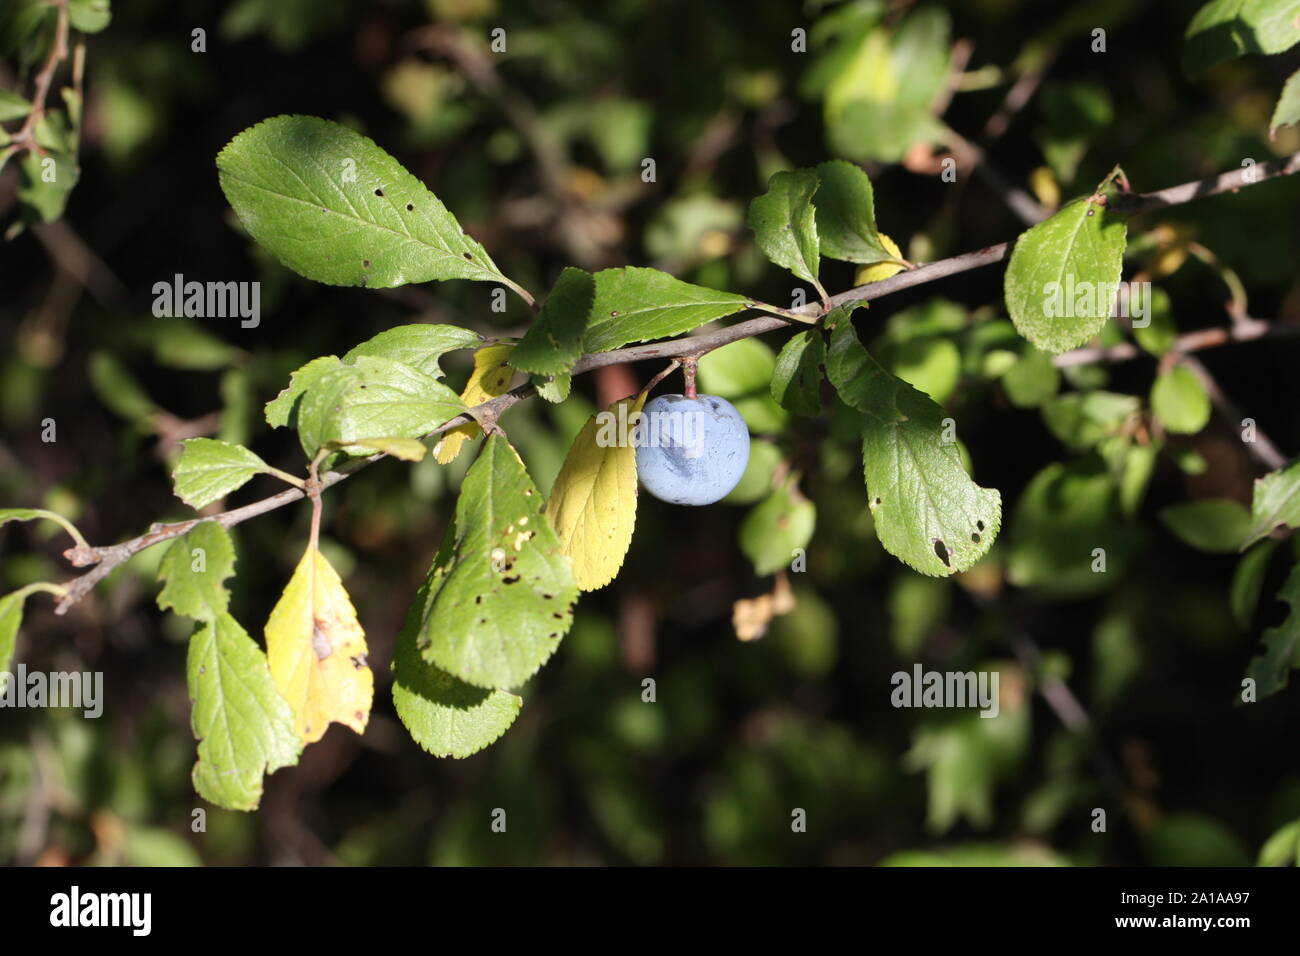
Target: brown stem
x: 58, y: 53
x: 689, y: 364
x: 694, y: 345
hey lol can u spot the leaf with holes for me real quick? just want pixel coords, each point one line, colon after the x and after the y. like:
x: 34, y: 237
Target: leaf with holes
x: 334, y: 207
x: 317, y: 651
x: 501, y: 589
x: 245, y: 729
x: 209, y: 469
x: 635, y: 304
x: 927, y: 510
x: 444, y: 715
x: 593, y: 501
x: 1063, y: 276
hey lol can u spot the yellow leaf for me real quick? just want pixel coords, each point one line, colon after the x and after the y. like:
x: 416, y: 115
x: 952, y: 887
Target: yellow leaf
x: 881, y: 270
x: 407, y: 449
x: 317, y: 651
x: 868, y: 75
x: 490, y: 378
x: 593, y: 501
x: 1043, y: 182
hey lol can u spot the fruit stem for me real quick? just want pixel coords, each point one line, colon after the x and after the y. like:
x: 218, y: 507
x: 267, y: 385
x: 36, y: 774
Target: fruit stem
x: 660, y: 377
x: 688, y: 373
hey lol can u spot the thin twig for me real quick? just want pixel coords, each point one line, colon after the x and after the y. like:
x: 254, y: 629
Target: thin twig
x: 114, y: 555
x: 1262, y: 448
x: 26, y: 136
x: 1250, y: 331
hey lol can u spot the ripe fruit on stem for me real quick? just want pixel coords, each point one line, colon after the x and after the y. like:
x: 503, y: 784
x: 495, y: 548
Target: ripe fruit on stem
x: 691, y: 451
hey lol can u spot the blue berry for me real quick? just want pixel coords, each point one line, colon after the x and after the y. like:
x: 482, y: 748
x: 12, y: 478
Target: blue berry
x: 691, y: 451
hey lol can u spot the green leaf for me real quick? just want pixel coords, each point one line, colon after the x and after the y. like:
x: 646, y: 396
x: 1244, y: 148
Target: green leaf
x: 1214, y: 525
x: 878, y: 100
x: 1287, y: 111
x: 1223, y: 29
x: 1248, y: 582
x: 1276, y: 502
x: 742, y: 372
x: 501, y: 592
x: 1160, y: 333
x: 635, y: 304
x: 1063, y: 517
x: 11, y: 618
x: 1271, y: 668
x: 553, y: 343
x: 1180, y: 402
x: 553, y: 388
x: 1075, y: 114
x: 182, y: 343
x: 193, y: 570
x: 45, y: 183
x: 118, y: 390
x: 407, y: 449
x: 244, y: 727
x: 846, y: 214
x: 445, y: 716
x: 334, y: 207
x: 1033, y: 380
x: 738, y: 369
x: 797, y: 377
x: 89, y: 16
x: 13, y: 106
x: 784, y: 222
x: 927, y: 510
x: 419, y: 346
x: 1080, y: 420
x: 782, y: 523
x: 209, y: 469
x: 372, y: 398
x: 931, y: 364
x: 868, y: 130
x: 1283, y: 847
x: 1061, y: 281
x: 756, y: 482
x: 36, y: 514
x: 282, y: 410
x: 919, y: 55
x: 1139, y: 464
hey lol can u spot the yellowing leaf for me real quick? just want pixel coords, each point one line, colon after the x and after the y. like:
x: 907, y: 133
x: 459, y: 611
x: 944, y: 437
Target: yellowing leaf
x: 593, y: 501
x: 317, y: 651
x: 882, y: 270
x: 407, y: 449
x: 490, y: 378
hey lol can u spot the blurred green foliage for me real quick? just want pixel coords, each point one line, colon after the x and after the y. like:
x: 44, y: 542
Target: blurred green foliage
x: 740, y: 735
